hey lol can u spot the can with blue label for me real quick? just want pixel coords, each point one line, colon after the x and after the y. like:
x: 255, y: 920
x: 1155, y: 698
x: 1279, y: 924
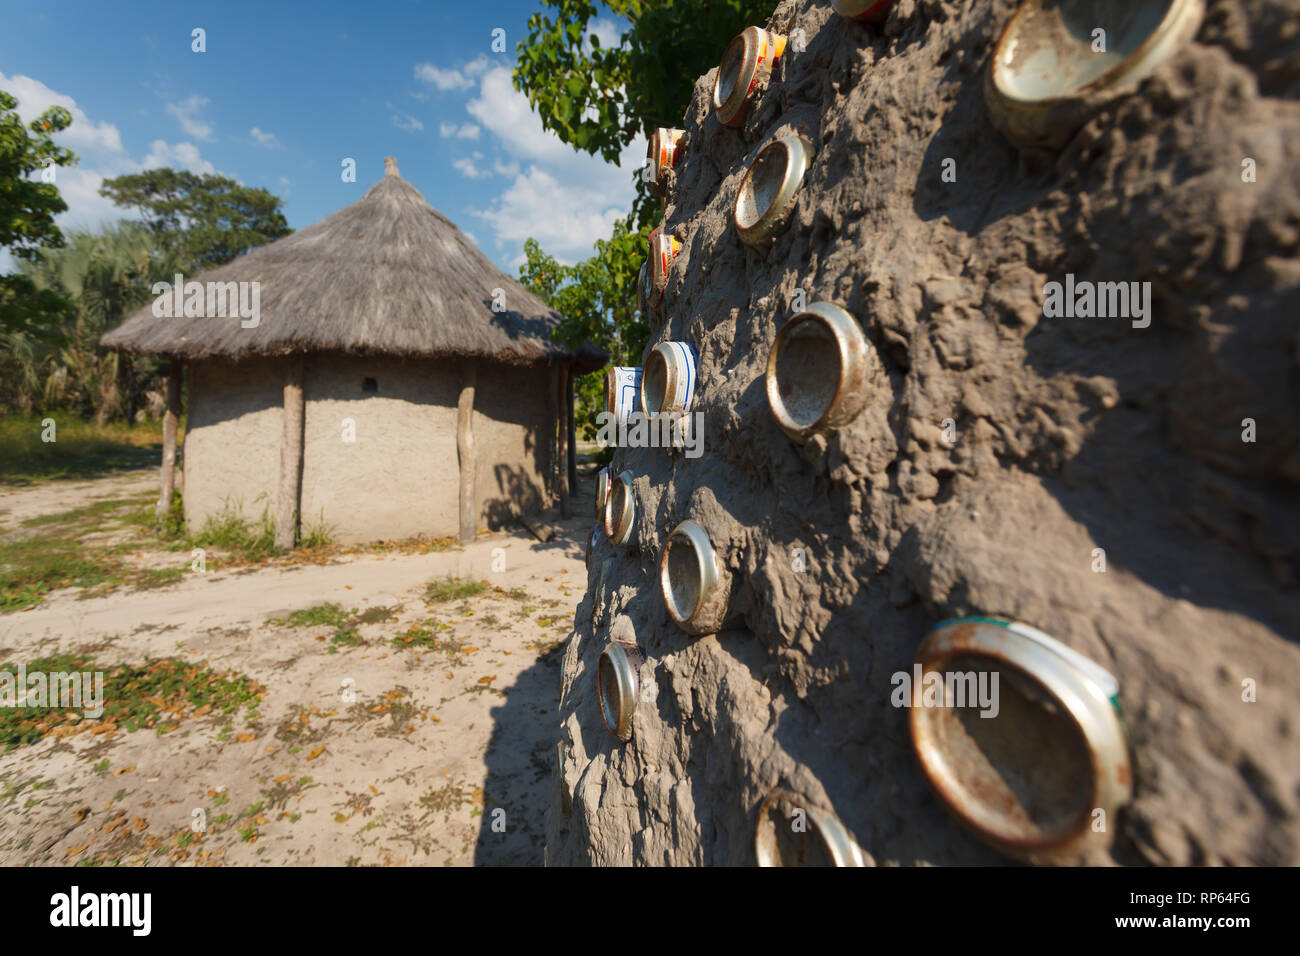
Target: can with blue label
x: 622, y: 391
x: 670, y: 378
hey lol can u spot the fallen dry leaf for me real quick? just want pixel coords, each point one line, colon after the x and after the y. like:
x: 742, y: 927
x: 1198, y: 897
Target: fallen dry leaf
x: 316, y: 753
x: 487, y: 680
x: 245, y: 738
x: 121, y: 770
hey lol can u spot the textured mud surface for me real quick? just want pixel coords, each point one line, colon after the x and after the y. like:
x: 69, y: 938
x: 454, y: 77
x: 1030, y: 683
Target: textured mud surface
x: 1071, y: 434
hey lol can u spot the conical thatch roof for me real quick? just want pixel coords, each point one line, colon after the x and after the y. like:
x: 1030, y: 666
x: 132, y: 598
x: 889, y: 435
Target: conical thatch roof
x: 388, y: 274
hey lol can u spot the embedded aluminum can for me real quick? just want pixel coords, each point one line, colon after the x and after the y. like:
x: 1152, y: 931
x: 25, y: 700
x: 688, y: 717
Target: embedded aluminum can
x: 1046, y: 80
x: 818, y: 371
x: 695, y: 585
x: 663, y: 249
x: 1029, y: 777
x: 603, y: 478
x: 868, y: 11
x: 591, y: 543
x: 748, y: 59
x: 622, y: 391
x: 766, y: 197
x: 777, y: 842
x: 618, y: 685
x: 663, y: 151
x: 620, y: 511
x: 669, y: 377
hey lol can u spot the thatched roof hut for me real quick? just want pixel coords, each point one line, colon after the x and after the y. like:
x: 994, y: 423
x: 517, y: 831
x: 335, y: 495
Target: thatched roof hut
x: 395, y: 380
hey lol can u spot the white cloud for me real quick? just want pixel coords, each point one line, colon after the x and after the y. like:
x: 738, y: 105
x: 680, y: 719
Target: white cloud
x: 564, y: 198
x: 467, y: 168
x: 269, y: 140
x: 406, y: 121
x: 101, y: 155
x: 187, y: 114
x: 451, y: 79
x: 607, y: 32
x: 564, y: 217
x: 181, y: 155
x: 34, y: 98
x: 87, y: 209
x: 503, y: 110
x: 463, y: 131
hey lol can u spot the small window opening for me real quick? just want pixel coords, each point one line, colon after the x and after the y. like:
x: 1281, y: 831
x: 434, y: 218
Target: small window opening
x: 369, y: 386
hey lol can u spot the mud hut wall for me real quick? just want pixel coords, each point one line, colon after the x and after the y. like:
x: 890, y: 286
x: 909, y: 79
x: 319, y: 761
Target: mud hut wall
x: 232, y: 438
x: 376, y: 465
x: 512, y: 429
x: 400, y: 477
x: 1072, y: 435
x: 380, y: 465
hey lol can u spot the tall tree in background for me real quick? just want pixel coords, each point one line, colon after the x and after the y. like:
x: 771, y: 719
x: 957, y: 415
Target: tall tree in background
x: 597, y: 298
x: 105, y: 274
x: 204, y: 220
x: 27, y: 211
x: 598, y: 99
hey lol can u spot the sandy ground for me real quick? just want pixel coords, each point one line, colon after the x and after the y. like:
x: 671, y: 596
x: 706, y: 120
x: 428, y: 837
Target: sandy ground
x: 369, y: 754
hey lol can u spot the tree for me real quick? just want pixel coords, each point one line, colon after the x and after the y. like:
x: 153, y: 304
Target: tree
x: 205, y: 220
x: 597, y: 299
x: 27, y: 210
x: 598, y: 98
x: 105, y: 274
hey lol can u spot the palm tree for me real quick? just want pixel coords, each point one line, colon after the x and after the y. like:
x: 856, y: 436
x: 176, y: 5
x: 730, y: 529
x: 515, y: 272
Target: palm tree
x: 106, y: 274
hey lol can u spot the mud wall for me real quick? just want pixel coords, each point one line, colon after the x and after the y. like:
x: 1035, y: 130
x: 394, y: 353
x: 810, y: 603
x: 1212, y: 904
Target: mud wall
x: 1071, y: 434
x: 398, y: 476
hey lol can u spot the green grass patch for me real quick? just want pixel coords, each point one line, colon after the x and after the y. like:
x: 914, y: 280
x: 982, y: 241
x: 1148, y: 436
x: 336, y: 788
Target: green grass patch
x: 332, y: 615
x: 158, y: 695
x: 79, y: 449
x: 54, y: 555
x: 451, y: 589
x: 327, y: 615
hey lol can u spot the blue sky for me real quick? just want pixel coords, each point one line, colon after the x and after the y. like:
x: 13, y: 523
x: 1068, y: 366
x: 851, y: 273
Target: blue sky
x: 286, y: 91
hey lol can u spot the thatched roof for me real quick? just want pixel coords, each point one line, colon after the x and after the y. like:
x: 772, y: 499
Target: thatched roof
x: 387, y: 275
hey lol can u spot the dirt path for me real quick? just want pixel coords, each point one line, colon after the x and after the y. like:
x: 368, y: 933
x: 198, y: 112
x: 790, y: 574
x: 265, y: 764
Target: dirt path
x: 425, y: 735
x: 19, y: 504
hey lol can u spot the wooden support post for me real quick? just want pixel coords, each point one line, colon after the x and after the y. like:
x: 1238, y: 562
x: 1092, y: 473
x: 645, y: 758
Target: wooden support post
x: 562, y: 435
x: 288, y: 504
x: 170, y: 419
x: 553, y: 442
x: 465, y: 451
x: 573, y: 444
